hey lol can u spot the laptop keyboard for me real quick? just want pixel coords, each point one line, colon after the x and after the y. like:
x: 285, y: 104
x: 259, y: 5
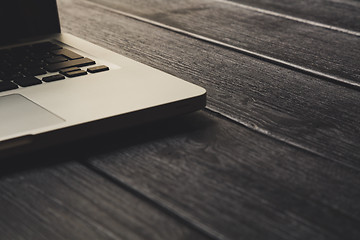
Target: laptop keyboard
x: 23, y: 66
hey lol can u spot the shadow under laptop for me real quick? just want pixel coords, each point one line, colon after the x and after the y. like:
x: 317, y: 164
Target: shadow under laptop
x: 84, y: 149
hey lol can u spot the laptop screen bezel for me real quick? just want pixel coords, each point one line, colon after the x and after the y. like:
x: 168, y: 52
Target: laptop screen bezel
x: 52, y: 24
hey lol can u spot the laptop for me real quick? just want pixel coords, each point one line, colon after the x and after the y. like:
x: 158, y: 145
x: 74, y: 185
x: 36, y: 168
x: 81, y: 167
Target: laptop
x: 56, y: 88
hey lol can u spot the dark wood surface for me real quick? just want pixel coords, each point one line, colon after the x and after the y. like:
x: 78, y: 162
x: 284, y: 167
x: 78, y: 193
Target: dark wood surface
x: 285, y: 104
x: 317, y: 50
x: 336, y: 14
x: 69, y: 201
x: 275, y: 154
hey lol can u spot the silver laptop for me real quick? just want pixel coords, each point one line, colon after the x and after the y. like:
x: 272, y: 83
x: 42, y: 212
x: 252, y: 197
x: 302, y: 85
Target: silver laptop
x: 55, y: 87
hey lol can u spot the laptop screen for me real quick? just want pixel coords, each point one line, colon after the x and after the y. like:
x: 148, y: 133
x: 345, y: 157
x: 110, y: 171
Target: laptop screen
x: 21, y: 19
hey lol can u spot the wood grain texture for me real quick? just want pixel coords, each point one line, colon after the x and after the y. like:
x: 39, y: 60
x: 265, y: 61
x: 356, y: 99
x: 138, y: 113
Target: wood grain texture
x: 304, y: 111
x: 214, y: 174
x: 235, y: 182
x: 343, y: 14
x: 333, y: 53
x: 70, y: 202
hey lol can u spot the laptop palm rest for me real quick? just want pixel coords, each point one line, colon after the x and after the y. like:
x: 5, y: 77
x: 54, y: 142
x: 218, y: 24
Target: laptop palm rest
x: 19, y: 115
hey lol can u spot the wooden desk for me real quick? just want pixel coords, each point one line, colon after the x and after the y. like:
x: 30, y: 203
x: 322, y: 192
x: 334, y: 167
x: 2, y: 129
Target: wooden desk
x: 275, y: 155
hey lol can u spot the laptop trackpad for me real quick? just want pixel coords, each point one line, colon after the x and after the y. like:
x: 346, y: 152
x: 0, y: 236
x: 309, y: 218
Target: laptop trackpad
x: 19, y: 114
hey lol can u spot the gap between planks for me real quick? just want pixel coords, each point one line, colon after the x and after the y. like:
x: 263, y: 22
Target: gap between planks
x: 330, y: 78
x: 296, y: 19
x: 188, y: 221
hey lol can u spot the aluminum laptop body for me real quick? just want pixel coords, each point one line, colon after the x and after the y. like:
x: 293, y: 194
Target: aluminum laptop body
x: 48, y: 113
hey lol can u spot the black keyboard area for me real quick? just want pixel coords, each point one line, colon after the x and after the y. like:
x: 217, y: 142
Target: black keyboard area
x: 21, y: 66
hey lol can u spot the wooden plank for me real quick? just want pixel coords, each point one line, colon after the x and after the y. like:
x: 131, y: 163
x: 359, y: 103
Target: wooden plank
x: 342, y: 14
x: 70, y: 202
x: 333, y: 54
x: 301, y: 110
x: 239, y: 183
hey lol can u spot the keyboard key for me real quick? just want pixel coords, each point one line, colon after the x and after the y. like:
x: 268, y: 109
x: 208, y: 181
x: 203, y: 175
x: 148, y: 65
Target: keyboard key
x: 34, y: 72
x: 45, y: 46
x: 10, y: 76
x: 20, y: 51
x: 98, y: 69
x: 75, y: 73
x: 53, y: 78
x: 69, y: 70
x: 4, y: 86
x: 71, y: 63
x: 67, y: 53
x: 27, y: 81
x: 56, y: 59
x: 41, y: 55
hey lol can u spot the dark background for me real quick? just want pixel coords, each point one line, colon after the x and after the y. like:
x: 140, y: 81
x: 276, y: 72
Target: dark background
x: 27, y: 18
